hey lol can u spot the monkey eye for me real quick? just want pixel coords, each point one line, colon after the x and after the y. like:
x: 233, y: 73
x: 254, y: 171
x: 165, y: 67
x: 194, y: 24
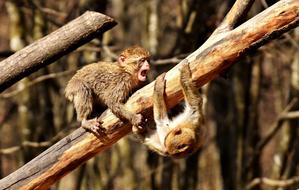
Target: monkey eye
x: 141, y: 60
x: 181, y: 146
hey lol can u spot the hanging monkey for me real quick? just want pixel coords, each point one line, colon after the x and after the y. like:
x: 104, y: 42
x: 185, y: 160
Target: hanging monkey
x: 184, y: 134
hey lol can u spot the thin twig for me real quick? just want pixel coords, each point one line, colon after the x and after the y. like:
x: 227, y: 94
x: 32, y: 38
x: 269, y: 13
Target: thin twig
x: 109, y: 52
x: 272, y: 182
x: 89, y: 48
x: 32, y: 144
x: 35, y: 81
x: 172, y: 60
x: 276, y: 126
x: 291, y: 115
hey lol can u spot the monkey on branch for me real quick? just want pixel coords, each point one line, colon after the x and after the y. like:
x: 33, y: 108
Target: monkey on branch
x: 100, y: 85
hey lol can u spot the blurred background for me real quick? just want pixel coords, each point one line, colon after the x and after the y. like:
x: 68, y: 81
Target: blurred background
x: 251, y: 109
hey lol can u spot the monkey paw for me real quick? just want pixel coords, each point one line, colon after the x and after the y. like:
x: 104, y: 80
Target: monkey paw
x: 138, y: 129
x: 160, y: 84
x: 186, y: 71
x: 138, y: 124
x: 94, y: 126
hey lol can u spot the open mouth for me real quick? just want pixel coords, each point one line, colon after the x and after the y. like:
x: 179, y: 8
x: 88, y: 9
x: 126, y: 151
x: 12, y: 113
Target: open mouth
x: 142, y: 74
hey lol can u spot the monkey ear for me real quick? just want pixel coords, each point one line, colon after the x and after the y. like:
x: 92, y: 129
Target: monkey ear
x: 121, y: 59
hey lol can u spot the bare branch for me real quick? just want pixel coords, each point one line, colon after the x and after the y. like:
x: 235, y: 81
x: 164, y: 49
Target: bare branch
x: 276, y: 126
x: 172, y: 60
x: 13, y: 149
x: 291, y: 115
x: 272, y: 182
x: 53, y: 46
x: 234, y: 16
x: 35, y: 81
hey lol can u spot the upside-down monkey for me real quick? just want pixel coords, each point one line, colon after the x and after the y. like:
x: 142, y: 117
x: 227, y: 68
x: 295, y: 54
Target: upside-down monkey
x: 184, y: 134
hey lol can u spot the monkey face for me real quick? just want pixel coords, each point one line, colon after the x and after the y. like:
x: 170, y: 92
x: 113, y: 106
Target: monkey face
x: 144, y: 68
x: 135, y: 60
x: 180, y: 142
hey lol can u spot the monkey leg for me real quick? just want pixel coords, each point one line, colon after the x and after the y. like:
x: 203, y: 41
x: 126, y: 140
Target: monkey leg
x: 160, y: 109
x: 82, y: 99
x: 120, y: 110
x: 83, y: 103
x: 191, y: 93
x: 159, y: 105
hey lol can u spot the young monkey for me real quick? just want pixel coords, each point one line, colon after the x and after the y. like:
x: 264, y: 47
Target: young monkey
x: 104, y: 84
x: 184, y: 134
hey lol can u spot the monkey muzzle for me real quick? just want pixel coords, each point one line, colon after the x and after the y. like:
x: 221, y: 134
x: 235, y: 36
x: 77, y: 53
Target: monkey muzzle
x: 142, y: 73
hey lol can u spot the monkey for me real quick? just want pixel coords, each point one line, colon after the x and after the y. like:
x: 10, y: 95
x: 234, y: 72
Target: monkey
x: 185, y: 133
x: 97, y: 86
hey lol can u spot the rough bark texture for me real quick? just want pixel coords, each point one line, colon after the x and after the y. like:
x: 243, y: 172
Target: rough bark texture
x: 53, y: 46
x: 206, y: 63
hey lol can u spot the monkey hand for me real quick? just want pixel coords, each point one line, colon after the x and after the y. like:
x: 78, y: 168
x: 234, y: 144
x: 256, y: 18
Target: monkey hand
x: 138, y: 123
x: 186, y: 75
x: 94, y: 126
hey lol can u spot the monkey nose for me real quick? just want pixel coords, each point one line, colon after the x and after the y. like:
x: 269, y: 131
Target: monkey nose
x: 147, y: 64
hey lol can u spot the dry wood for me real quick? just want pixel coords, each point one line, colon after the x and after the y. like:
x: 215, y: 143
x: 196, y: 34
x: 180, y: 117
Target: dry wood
x: 51, y: 47
x: 206, y: 63
x: 234, y: 16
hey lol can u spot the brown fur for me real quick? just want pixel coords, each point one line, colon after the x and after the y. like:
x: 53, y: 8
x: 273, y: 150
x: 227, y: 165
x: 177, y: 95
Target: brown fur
x: 106, y: 84
x: 185, y: 133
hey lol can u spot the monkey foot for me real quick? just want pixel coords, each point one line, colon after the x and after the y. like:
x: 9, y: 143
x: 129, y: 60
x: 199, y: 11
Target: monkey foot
x: 94, y: 126
x: 138, y: 129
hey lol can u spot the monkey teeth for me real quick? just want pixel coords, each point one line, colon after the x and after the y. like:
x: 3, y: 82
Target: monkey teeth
x: 142, y: 75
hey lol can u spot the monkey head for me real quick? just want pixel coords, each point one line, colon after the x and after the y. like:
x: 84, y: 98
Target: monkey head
x: 182, y: 141
x: 135, y: 60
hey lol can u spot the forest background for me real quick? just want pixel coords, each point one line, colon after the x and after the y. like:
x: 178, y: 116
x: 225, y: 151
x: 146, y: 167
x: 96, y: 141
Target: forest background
x: 250, y: 109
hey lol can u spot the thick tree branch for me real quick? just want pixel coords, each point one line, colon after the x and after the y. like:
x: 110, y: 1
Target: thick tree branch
x: 206, y: 63
x: 51, y: 47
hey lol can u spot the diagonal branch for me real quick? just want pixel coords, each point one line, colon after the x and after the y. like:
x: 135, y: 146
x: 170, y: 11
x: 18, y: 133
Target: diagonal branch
x: 206, y: 63
x: 53, y: 46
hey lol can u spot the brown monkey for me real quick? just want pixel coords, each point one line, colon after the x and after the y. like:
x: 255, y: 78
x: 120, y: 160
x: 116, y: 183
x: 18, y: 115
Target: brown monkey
x: 184, y: 134
x: 104, y: 84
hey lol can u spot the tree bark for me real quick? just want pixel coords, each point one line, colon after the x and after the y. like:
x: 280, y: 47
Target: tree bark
x: 206, y: 63
x: 53, y: 46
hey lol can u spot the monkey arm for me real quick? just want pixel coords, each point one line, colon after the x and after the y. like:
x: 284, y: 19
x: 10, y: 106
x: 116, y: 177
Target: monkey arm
x: 119, y: 109
x: 160, y: 109
x: 159, y: 105
x: 191, y: 94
